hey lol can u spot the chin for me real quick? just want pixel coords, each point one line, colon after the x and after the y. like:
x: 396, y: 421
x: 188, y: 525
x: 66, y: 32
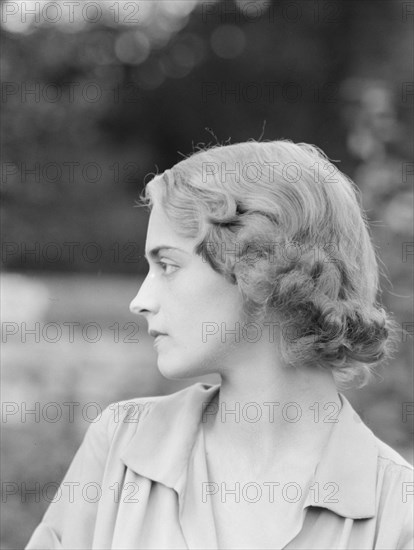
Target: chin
x: 173, y: 370
x: 178, y: 368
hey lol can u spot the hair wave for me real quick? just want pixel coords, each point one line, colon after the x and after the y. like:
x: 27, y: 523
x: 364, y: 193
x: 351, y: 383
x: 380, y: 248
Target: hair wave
x: 283, y: 223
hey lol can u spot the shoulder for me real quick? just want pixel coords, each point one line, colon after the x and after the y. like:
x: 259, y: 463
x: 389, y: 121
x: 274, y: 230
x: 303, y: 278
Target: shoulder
x: 388, y: 455
x: 122, y: 418
x: 391, y: 465
x: 395, y: 474
x: 395, y: 477
x: 395, y: 496
x: 153, y: 436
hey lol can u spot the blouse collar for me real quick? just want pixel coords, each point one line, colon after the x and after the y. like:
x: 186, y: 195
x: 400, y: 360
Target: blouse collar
x: 167, y: 430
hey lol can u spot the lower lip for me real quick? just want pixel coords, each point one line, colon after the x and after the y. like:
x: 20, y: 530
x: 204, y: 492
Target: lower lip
x: 158, y: 339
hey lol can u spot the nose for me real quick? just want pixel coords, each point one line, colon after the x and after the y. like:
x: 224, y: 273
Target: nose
x: 146, y: 299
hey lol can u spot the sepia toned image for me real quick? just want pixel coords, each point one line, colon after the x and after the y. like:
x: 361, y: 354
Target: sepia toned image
x: 206, y: 275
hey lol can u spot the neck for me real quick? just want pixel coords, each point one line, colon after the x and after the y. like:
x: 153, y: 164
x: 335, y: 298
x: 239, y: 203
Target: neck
x: 270, y: 410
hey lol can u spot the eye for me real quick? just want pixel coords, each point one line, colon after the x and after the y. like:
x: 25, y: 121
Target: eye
x: 164, y: 266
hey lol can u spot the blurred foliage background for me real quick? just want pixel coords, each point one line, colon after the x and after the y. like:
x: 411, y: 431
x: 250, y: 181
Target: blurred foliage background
x: 97, y: 97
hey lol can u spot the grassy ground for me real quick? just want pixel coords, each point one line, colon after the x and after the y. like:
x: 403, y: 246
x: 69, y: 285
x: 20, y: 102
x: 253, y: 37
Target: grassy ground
x: 40, y: 449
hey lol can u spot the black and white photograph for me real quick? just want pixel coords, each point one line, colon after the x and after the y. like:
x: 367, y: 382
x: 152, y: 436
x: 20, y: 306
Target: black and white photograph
x: 207, y: 311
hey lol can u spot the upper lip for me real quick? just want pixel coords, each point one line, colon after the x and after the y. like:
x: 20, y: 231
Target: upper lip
x: 155, y: 333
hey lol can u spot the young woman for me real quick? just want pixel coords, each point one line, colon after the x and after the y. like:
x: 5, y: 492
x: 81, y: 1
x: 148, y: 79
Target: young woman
x: 261, y: 269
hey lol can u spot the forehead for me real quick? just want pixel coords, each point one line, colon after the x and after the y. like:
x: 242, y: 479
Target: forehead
x: 162, y: 232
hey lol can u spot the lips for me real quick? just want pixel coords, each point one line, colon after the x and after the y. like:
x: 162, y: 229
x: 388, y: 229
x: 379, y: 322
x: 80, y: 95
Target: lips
x: 155, y: 333
x: 158, y: 339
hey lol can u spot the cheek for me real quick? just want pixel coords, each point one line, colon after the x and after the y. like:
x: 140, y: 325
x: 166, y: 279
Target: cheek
x: 199, y: 319
x: 214, y: 304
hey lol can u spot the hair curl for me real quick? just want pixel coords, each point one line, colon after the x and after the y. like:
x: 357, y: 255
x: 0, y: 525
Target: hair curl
x: 283, y: 223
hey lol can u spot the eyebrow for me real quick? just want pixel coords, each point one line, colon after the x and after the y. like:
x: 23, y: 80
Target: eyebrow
x: 156, y: 252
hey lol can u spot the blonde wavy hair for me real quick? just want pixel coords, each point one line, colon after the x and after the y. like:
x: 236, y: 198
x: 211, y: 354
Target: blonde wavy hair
x: 278, y: 219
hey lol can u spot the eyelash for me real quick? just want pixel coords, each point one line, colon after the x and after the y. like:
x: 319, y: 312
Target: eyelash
x: 164, y: 265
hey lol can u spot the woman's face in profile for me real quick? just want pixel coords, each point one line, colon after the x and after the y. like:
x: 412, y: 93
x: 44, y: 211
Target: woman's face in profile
x: 184, y: 298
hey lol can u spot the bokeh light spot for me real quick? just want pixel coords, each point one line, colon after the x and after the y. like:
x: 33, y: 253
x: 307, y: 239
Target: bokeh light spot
x: 132, y: 47
x: 228, y: 41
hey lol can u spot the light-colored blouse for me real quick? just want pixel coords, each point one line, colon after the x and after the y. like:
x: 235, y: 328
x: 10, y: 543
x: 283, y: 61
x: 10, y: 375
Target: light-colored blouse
x: 139, y: 480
